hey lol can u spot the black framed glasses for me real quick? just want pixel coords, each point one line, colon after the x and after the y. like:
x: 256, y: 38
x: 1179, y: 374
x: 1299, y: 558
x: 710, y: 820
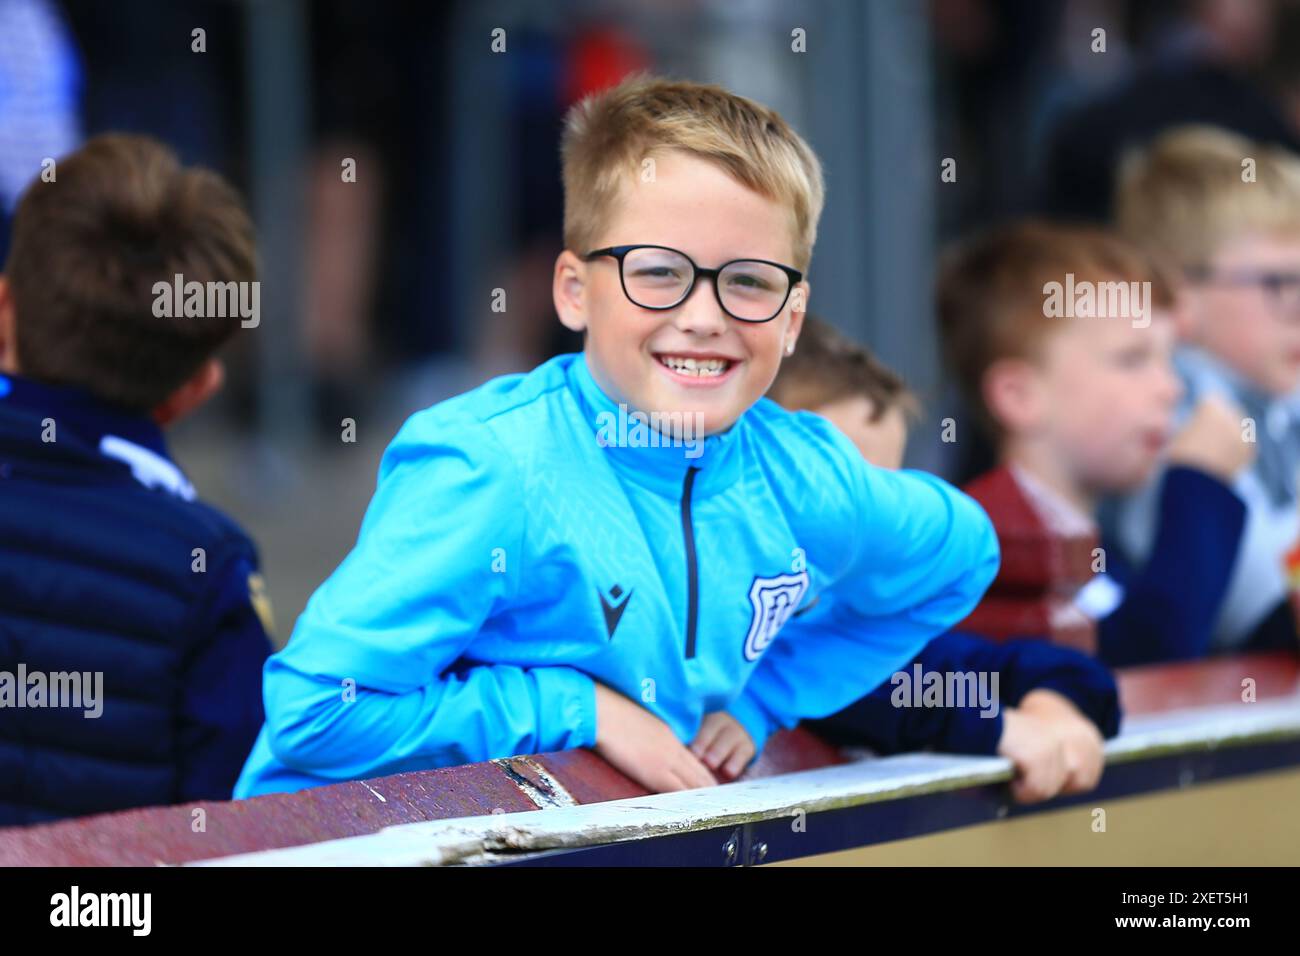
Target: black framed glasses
x: 1282, y: 288
x: 660, y: 278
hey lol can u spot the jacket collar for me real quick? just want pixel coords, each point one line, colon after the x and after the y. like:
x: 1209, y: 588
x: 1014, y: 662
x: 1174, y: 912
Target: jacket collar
x: 656, y: 460
x: 116, y: 433
x: 1277, y: 455
x: 1207, y: 373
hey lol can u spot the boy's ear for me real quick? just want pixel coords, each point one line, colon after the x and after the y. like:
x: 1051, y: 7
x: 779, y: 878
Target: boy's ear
x: 1011, y: 394
x: 8, y: 325
x: 569, y: 290
x: 196, y: 390
x: 798, y: 309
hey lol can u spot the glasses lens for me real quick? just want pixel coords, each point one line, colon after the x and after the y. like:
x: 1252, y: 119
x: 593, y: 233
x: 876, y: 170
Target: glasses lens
x: 656, y: 278
x: 752, y: 290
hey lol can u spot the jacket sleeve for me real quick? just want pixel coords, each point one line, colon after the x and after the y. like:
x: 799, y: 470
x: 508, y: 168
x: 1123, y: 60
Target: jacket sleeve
x: 220, y: 708
x: 378, y: 676
x: 880, y: 721
x: 1171, y: 603
x: 921, y: 556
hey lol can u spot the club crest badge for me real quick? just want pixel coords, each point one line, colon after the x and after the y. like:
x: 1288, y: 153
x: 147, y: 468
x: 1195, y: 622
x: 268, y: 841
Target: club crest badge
x: 774, y: 600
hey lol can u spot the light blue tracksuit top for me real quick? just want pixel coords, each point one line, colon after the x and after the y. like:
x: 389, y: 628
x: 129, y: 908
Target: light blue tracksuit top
x: 512, y: 556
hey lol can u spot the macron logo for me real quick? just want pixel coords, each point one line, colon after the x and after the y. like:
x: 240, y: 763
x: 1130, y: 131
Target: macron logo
x: 614, y: 611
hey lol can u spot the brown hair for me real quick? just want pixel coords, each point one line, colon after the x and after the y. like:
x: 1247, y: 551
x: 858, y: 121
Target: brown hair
x: 828, y: 366
x: 992, y: 290
x: 119, y: 215
x: 609, y: 134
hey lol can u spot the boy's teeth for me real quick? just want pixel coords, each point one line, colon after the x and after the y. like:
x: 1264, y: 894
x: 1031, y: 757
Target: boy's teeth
x: 690, y: 366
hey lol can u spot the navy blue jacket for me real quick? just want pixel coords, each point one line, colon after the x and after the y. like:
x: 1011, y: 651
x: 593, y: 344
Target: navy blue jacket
x: 1167, y: 612
x: 100, y: 575
x: 878, y: 722
x: 1171, y: 602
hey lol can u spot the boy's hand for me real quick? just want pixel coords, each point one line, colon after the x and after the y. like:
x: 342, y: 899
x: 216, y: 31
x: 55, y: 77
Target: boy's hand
x: 724, y: 745
x: 642, y: 746
x: 1039, y: 758
x: 1211, y: 440
x: 1054, y: 747
x: 1083, y: 744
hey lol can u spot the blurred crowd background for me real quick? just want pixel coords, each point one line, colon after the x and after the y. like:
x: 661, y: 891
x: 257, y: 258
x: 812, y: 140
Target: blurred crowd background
x: 377, y: 295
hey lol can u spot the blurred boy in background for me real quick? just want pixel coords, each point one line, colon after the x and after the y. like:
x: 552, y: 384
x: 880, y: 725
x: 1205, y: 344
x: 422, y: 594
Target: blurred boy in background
x: 1061, y: 340
x: 1224, y: 214
x: 112, y: 573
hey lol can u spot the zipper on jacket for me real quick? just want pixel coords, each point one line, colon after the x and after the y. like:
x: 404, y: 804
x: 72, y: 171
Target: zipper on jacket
x: 692, y: 566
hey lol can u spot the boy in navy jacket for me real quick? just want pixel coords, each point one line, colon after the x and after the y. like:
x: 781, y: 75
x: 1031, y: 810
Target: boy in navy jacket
x: 133, y: 623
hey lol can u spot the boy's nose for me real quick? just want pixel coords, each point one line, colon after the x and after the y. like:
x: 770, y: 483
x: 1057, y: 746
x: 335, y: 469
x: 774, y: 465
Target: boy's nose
x: 699, y: 312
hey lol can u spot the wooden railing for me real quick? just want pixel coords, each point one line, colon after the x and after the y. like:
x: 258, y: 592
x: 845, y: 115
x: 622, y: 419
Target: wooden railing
x: 1184, y: 724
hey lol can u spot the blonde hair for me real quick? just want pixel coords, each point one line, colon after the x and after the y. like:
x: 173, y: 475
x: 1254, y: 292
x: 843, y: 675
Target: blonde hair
x: 1186, y: 194
x: 609, y: 134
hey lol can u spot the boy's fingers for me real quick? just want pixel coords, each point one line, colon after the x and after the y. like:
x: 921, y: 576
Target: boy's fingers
x: 1087, y: 774
x: 722, y: 747
x: 1040, y: 779
x: 677, y: 776
x: 1085, y: 759
x: 1096, y: 768
x: 716, y: 755
x: 673, y: 781
x: 694, y: 772
x: 709, y: 732
x: 1032, y: 788
x: 1076, y: 784
x: 736, y: 764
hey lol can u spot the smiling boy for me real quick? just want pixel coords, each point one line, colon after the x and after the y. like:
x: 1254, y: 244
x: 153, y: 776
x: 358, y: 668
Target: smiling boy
x: 522, y: 584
